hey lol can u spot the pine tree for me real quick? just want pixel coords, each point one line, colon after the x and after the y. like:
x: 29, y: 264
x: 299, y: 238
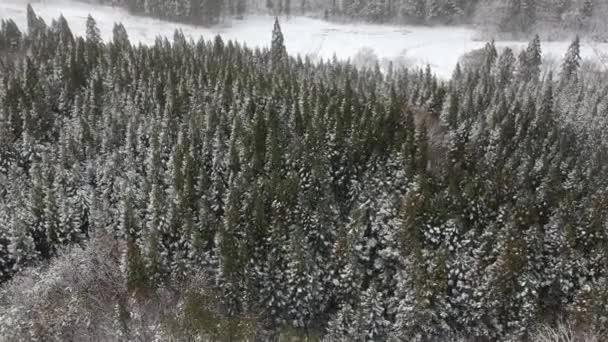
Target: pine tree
x: 342, y: 326
x: 505, y: 67
x: 36, y: 215
x: 449, y: 114
x: 120, y: 38
x: 530, y: 61
x: 371, y: 320
x: 35, y: 24
x: 534, y: 54
x: 22, y: 247
x: 54, y: 228
x: 137, y: 276
x: 230, y: 244
x: 93, y: 37
x: 572, y: 61
x: 278, y: 53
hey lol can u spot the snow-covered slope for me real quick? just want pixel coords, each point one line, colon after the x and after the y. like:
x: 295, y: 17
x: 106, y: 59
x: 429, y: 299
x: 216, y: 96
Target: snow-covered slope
x: 441, y: 47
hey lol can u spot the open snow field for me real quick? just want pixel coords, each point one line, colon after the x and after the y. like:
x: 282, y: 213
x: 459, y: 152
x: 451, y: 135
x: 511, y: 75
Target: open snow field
x: 441, y: 47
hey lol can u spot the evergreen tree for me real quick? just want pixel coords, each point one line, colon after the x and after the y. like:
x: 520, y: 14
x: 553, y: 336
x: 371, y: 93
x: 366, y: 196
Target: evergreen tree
x: 530, y: 61
x: 572, y: 61
x: 93, y: 42
x: 278, y: 53
x: 35, y: 25
x: 505, y: 68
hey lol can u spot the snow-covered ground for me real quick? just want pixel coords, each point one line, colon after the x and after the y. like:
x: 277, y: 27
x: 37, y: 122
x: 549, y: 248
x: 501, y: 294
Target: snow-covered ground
x: 441, y: 47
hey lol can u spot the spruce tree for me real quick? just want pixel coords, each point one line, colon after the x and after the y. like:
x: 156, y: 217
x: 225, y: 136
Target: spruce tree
x: 278, y: 53
x: 572, y: 61
x: 35, y: 25
x: 93, y: 39
x: 530, y: 61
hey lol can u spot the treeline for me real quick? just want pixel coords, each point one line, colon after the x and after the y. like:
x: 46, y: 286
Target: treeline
x: 212, y: 12
x: 352, y: 204
x: 407, y: 11
x: 555, y: 19
x: 512, y: 14
x: 198, y: 12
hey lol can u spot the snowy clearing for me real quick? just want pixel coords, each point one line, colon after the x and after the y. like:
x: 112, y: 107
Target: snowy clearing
x: 441, y: 47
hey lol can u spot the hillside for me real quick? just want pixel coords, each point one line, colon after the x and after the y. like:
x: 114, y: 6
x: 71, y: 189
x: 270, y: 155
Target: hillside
x: 203, y: 190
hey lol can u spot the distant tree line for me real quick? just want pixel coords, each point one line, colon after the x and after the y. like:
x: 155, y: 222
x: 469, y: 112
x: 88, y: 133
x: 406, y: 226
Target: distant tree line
x: 316, y: 197
x: 210, y: 12
x: 515, y: 18
x: 553, y: 18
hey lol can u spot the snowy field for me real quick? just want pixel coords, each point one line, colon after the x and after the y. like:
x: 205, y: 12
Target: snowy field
x: 441, y: 47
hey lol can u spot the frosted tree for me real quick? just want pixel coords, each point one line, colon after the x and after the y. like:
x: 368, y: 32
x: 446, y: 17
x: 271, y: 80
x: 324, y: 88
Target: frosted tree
x: 36, y: 211
x: 530, y: 61
x: 449, y: 114
x: 278, y: 53
x: 572, y: 61
x: 373, y: 314
x: 120, y: 37
x: 35, y: 24
x: 22, y: 247
x: 54, y: 227
x: 342, y: 327
x: 505, y: 67
x: 93, y: 39
x: 230, y: 243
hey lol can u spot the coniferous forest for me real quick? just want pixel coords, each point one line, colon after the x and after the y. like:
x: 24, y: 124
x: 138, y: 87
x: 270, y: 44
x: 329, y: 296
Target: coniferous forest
x: 556, y: 19
x: 202, y: 191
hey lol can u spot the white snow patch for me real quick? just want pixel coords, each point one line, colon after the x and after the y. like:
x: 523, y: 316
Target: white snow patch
x: 440, y: 47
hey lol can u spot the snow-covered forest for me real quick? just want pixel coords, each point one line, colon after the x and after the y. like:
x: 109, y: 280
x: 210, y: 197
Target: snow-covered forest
x: 508, y: 18
x: 364, y: 44
x: 203, y: 190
